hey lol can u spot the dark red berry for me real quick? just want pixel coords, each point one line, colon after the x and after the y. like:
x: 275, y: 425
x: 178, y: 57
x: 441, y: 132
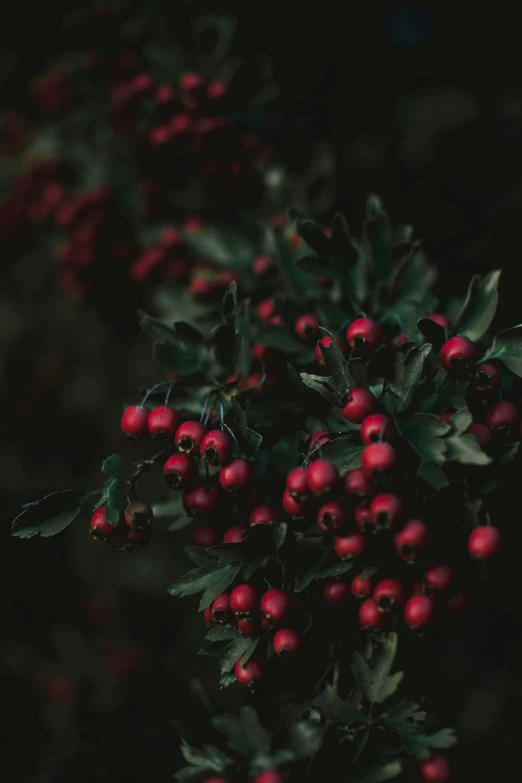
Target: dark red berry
x: 275, y: 606
x: 319, y: 439
x: 376, y: 427
x: 357, y: 404
x: 266, y: 309
x: 246, y: 626
x: 438, y: 578
x: 378, y: 459
x: 389, y: 594
x: 331, y: 517
x: 364, y: 334
x: 385, y: 511
x: 100, y: 526
x: 369, y: 615
x: 435, y: 769
x: 270, y: 776
x: 349, y: 546
x: 440, y: 319
x: 297, y: 484
x: 419, y: 611
x: 134, y: 421
x: 502, y: 417
x: 458, y: 354
x: 163, y: 422
x: 321, y: 476
x: 244, y: 600
x: 248, y: 674
x: 199, y: 500
x: 133, y: 540
x: 189, y: 436
x: 138, y: 515
x: 457, y: 603
x: 292, y: 507
x: 208, y: 617
x: 357, y: 487
x: 486, y: 380
x: 306, y: 327
x: 483, y: 542
x: 337, y: 591
x: 205, y: 535
x: 220, y: 608
x: 287, y: 642
x: 483, y: 434
x: 326, y: 342
x: 179, y: 471
x: 235, y: 534
x: 411, y: 540
x: 236, y: 475
x: 262, y: 266
x: 263, y: 515
x: 361, y: 588
x: 216, y: 447
x: 362, y: 518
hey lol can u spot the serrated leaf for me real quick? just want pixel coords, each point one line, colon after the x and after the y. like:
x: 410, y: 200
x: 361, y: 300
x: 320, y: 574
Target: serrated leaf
x: 405, y: 717
x: 373, y: 677
x: 241, y: 648
x: 112, y: 465
x: 221, y: 633
x: 466, y: 450
x: 254, y: 565
x: 507, y: 346
x: 309, y: 575
x: 461, y: 420
x: 305, y: 738
x: 286, y: 454
x: 424, y: 432
x: 411, y: 376
x: 336, y: 365
x: 220, y: 581
x: 480, y: 306
x: 115, y: 502
x: 193, y: 582
x: 433, y: 475
x: 420, y: 745
x: 51, y: 514
x: 337, y: 709
x: 321, y: 384
x: 345, y: 453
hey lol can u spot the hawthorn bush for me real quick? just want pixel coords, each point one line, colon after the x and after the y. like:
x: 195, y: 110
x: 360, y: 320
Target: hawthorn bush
x: 337, y: 439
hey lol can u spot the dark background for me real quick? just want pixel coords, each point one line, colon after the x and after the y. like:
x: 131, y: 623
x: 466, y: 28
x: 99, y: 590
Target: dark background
x: 424, y: 107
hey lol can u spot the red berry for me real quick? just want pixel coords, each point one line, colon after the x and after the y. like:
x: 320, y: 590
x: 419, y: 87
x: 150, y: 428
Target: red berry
x: 270, y: 776
x: 350, y: 546
x: 321, y: 476
x: 287, y: 641
x: 163, y: 422
x: 220, y: 608
x: 326, y: 342
x: 357, y: 487
x: 361, y: 588
x: 357, y: 404
x: 364, y: 334
x: 369, y: 615
x: 486, y: 380
x: 292, y: 507
x: 179, y: 471
x: 336, y: 591
x: 216, y: 447
x: 263, y: 515
x: 138, y: 515
x: 388, y: 594
x: 100, y: 526
x: 261, y: 353
x: 243, y: 600
x: 362, y: 518
x: 457, y: 602
x: 133, y: 540
x: 297, y: 485
x: 216, y: 779
x: 378, y: 458
x: 331, y: 517
x: 411, y: 540
x: 400, y: 339
x: 502, y: 417
x: 438, y: 578
x: 458, y: 354
x: 419, y: 611
x: 205, y: 535
x: 262, y: 266
x: 275, y: 606
x: 191, y: 81
x: 189, y: 436
x: 440, y: 319
x: 207, y: 616
x: 235, y: 534
x: 236, y: 475
x: 483, y: 542
x: 483, y: 434
x: 385, y: 511
x: 266, y: 309
x: 307, y: 326
x: 376, y: 427
x: 249, y: 673
x: 246, y: 626
x: 435, y: 769
x: 319, y: 439
x: 199, y: 500
x: 134, y: 421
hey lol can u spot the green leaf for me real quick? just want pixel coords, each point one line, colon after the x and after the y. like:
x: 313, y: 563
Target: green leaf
x: 221, y: 633
x: 336, y: 365
x: 313, y: 235
x: 229, y: 306
x: 251, y: 441
x: 182, y: 358
x: 420, y: 745
x: 466, y: 450
x: 254, y: 565
x: 321, y: 384
x: 373, y: 677
x: 433, y: 332
x: 507, y: 453
x: 343, y: 246
x: 324, y: 266
x: 229, y: 349
x: 336, y: 569
x: 243, y: 647
x: 405, y: 717
x: 480, y: 306
x: 115, y: 502
x: 507, y: 346
x: 201, y: 556
x: 336, y: 709
x: 410, y: 375
x: 461, y: 420
x: 345, y: 453
x: 279, y: 337
x: 368, y: 571
x: 413, y: 278
x: 424, y: 432
x: 378, y: 232
x: 113, y: 465
x: 286, y: 454
x: 221, y: 579
x: 305, y: 579
x: 193, y: 582
x: 305, y: 739
x: 51, y: 514
x: 299, y: 280
x: 226, y: 249
x: 226, y: 680
x: 210, y: 759
x: 379, y: 773
x: 433, y: 475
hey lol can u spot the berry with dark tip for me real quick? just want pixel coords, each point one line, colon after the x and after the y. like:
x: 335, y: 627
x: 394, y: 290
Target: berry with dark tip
x: 205, y: 535
x: 179, y: 471
x: 483, y: 542
x: 321, y: 476
x: 485, y: 381
x: 438, y: 578
x: 275, y: 606
x: 411, y: 540
x: 502, y: 418
x: 326, y: 342
x: 362, y: 518
x: 263, y: 515
x: 357, y: 487
x: 244, y: 600
x: 319, y: 439
x: 419, y: 611
x: 370, y: 617
x: 385, y: 511
x: 307, y: 326
x: 163, y: 422
x: 189, y: 436
x: 287, y: 642
x: 337, y: 591
x: 483, y: 434
x: 199, y: 500
x: 458, y: 354
x: 138, y: 515
x: 236, y: 475
x: 364, y: 334
x: 133, y: 540
x: 435, y: 769
x: 361, y: 588
x: 331, y: 517
x: 246, y: 626
x: 376, y: 427
x: 378, y: 459
x: 134, y: 421
x: 388, y: 594
x: 216, y: 447
x: 349, y: 546
x: 297, y: 485
x: 293, y: 507
x: 100, y: 527
x: 235, y: 534
x: 266, y: 309
x: 220, y: 608
x: 250, y: 673
x: 357, y: 404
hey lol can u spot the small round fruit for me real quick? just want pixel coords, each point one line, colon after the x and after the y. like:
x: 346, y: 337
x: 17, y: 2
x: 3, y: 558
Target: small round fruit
x: 163, y: 422
x: 248, y: 674
x: 100, y: 527
x: 385, y: 511
x: 349, y: 546
x: 220, y: 608
x: 483, y: 434
x: 419, y: 611
x: 357, y: 487
x: 369, y: 615
x: 458, y: 354
x: 270, y: 776
x: 246, y: 626
x: 297, y: 484
x: 485, y: 381
x: 134, y: 421
x: 205, y: 535
x: 440, y: 319
x: 389, y: 594
x: 326, y: 342
x: 411, y: 540
x: 357, y: 405
x: 236, y: 475
x: 292, y: 507
x: 502, y: 417
x: 319, y: 439
x: 275, y: 606
x: 376, y: 427
x: 361, y: 588
x: 263, y: 515
x: 438, y: 578
x: 262, y: 266
x: 435, y: 769
x: 287, y: 642
x: 337, y: 591
x: 199, y: 500
x: 138, y: 515
x: 483, y: 542
x: 306, y: 327
x: 235, y: 534
x: 378, y: 459
x: 400, y: 339
x: 216, y: 447
x: 133, y: 540
x: 364, y: 334
x: 321, y: 476
x: 266, y: 309
x: 362, y: 519
x: 189, y: 436
x: 244, y: 600
x: 331, y: 517
x: 179, y: 471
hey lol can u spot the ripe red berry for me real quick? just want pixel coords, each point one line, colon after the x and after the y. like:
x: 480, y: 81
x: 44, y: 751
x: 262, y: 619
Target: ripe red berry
x: 220, y: 608
x: 369, y: 615
x: 287, y: 641
x: 235, y: 534
x: 246, y: 626
x: 357, y: 404
x: 243, y: 600
x: 336, y: 591
x: 207, y: 616
x: 378, y: 459
x: 321, y: 476
x: 486, y: 380
x: 216, y: 447
x: 483, y: 434
x: 307, y: 326
x: 319, y: 439
x: 326, y: 342
x: 138, y: 515
x: 483, y: 542
x: 458, y: 354
x: 134, y: 421
x: 266, y: 309
x: 502, y: 417
x: 262, y: 266
x: 179, y: 471
x: 357, y: 487
x: 376, y: 427
x: 349, y: 546
x: 362, y: 518
x: 411, y: 540
x: 297, y: 485
x: 263, y: 515
x: 133, y: 540
x: 385, y: 511
x: 205, y: 535
x: 361, y: 588
x: 100, y: 526
x: 270, y: 776
x: 189, y: 436
x: 163, y: 422
x: 388, y: 594
x: 199, y: 500
x: 331, y: 517
x: 435, y: 769
x: 419, y: 611
x: 445, y: 416
x: 440, y: 319
x: 364, y: 334
x: 292, y: 507
x: 438, y: 578
x: 275, y: 606
x: 248, y: 674
x: 236, y: 475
